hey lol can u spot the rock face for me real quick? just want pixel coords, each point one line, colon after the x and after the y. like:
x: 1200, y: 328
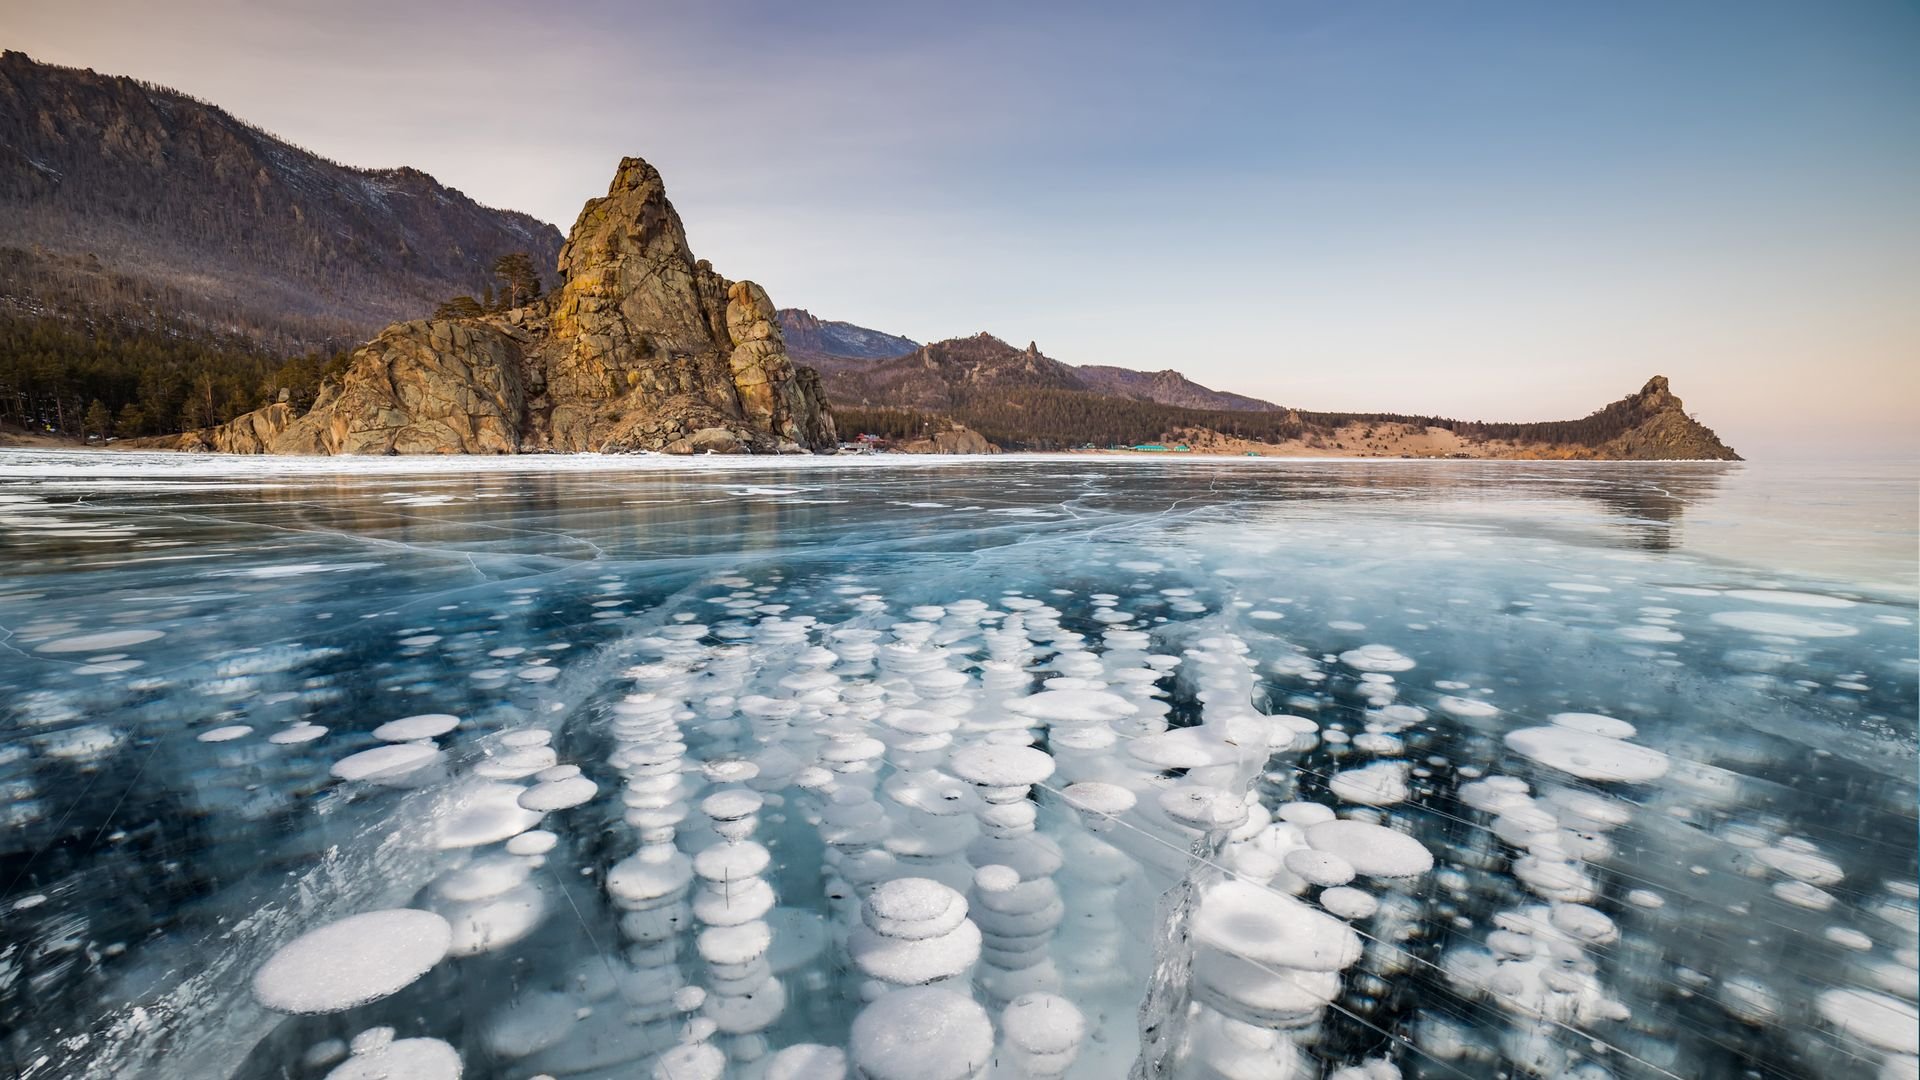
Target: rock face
x: 642, y: 347
x: 1664, y: 432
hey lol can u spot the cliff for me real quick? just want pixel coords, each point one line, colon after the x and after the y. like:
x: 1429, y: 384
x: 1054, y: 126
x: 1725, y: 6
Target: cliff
x: 642, y: 347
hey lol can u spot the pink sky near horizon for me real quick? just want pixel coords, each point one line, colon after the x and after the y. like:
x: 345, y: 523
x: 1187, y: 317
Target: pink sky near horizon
x: 1519, y: 214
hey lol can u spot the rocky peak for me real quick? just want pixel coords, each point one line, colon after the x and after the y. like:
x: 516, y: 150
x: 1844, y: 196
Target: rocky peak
x: 642, y: 347
x: 1656, y: 395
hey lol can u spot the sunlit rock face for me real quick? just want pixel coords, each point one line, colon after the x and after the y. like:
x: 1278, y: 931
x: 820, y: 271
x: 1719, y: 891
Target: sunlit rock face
x: 643, y: 767
x: 641, y: 347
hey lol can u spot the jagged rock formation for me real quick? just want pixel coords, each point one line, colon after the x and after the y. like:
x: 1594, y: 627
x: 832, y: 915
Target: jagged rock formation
x: 135, y: 203
x: 642, y: 347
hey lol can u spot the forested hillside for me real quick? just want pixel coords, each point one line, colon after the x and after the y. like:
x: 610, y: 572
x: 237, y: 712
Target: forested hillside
x: 142, y: 226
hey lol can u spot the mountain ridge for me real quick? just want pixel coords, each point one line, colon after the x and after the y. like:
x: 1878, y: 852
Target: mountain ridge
x: 116, y: 192
x: 1022, y: 399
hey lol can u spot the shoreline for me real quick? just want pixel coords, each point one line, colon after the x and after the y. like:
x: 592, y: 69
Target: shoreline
x: 20, y: 462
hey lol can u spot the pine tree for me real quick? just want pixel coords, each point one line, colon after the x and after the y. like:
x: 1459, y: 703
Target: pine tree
x: 519, y: 281
x: 97, y: 421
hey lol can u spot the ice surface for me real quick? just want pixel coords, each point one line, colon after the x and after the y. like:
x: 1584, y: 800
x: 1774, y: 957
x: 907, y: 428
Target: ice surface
x: 907, y: 767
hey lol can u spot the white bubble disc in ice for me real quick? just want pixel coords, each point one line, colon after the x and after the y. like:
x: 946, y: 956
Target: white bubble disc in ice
x: 1587, y: 755
x: 412, y: 728
x: 391, y: 1059
x: 808, y: 1061
x: 352, y: 961
x: 393, y: 764
x: 1260, y: 924
x: 921, y: 1033
x: 1373, y: 850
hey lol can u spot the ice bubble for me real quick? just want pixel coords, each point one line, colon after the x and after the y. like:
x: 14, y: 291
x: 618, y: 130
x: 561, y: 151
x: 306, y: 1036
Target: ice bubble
x: 691, y: 1061
x: 483, y: 878
x: 1802, y: 895
x: 1001, y: 766
x: 1586, y: 755
x: 1320, y: 868
x: 1203, y: 808
x: 1043, y: 1032
x: 227, y: 733
x: 1073, y: 706
x: 411, y: 728
x: 1791, y: 599
x: 532, y: 842
x: 1381, y: 784
x: 386, y: 764
x: 1594, y: 724
x: 297, y: 733
x: 1876, y: 1019
x: 355, y: 960
x: 481, y: 813
x: 1304, y: 814
x: 1376, y: 658
x: 1349, y: 903
x: 1098, y: 797
x: 914, y: 908
x: 921, y: 1033
x: 996, y: 878
x: 1467, y: 708
x: 1373, y: 850
x: 807, y: 1061
x: 1781, y: 624
x: 1848, y: 938
x: 391, y: 1059
x: 1801, y: 864
x: 530, y: 1025
x: 102, y: 642
x: 558, y: 794
x: 1259, y: 924
x: 1185, y: 748
x: 496, y: 922
x: 1577, y: 587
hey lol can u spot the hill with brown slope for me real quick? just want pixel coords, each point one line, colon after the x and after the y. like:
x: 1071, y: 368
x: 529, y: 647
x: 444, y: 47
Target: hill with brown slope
x: 1167, y: 387
x: 128, y: 202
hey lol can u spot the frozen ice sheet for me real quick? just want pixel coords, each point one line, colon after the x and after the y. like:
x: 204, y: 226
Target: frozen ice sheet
x: 1032, y: 767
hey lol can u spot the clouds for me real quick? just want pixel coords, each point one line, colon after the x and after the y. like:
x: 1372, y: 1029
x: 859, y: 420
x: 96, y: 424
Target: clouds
x: 1504, y: 210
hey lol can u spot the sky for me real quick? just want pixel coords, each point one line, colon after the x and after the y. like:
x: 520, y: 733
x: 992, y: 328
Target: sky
x: 1505, y: 211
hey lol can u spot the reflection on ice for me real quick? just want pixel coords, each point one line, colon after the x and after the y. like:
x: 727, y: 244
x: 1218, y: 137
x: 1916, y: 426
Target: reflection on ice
x: 1018, y: 769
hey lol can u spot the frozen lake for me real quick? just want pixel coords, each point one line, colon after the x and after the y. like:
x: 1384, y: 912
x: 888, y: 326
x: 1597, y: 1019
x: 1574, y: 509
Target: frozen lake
x: 1018, y: 767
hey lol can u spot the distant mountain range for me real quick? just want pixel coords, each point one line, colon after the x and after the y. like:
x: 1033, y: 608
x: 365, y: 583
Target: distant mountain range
x: 846, y: 352
x: 162, y: 263
x: 829, y: 345
x: 128, y: 201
